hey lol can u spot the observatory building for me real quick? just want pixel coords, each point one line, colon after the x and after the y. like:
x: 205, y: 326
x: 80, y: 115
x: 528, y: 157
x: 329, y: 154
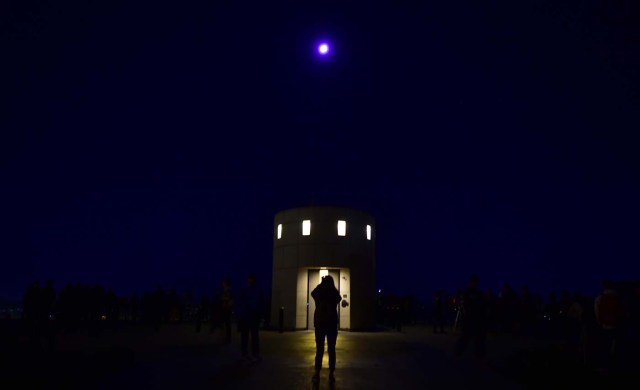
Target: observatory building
x: 311, y: 242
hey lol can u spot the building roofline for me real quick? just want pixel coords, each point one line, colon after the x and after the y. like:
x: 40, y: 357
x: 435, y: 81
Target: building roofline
x: 325, y: 208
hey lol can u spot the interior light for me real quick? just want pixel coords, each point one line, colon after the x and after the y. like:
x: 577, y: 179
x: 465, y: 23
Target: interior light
x: 342, y: 228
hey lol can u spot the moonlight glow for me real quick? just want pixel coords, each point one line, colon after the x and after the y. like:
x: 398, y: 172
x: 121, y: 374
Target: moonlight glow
x: 323, y: 49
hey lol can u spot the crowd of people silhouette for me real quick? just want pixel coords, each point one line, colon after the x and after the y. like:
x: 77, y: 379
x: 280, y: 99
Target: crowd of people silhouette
x: 93, y: 308
x: 603, y: 330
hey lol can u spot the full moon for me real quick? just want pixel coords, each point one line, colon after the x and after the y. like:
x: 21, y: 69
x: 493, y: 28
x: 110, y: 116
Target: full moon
x: 323, y: 49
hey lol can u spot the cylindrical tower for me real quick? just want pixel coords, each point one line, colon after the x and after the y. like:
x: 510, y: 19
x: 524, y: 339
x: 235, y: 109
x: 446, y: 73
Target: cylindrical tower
x: 311, y: 242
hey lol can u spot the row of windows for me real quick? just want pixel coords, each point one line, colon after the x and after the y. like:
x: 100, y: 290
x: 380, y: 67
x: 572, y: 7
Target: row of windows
x: 306, y: 229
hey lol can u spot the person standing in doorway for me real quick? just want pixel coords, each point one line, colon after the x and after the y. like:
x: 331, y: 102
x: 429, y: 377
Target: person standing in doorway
x: 250, y: 309
x: 325, y: 321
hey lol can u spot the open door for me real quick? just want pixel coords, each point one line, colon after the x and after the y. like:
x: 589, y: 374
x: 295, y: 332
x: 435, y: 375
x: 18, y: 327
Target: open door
x: 315, y: 277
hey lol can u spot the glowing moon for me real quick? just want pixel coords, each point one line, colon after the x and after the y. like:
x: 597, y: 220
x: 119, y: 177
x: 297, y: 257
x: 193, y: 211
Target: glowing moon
x: 323, y: 49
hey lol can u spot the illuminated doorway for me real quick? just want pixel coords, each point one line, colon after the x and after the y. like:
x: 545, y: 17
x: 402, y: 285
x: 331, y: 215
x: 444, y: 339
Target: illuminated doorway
x: 342, y: 283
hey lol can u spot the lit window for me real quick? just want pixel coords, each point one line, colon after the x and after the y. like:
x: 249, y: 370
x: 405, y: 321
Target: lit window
x: 279, y: 231
x: 369, y: 232
x: 323, y: 273
x: 342, y: 228
x: 306, y: 227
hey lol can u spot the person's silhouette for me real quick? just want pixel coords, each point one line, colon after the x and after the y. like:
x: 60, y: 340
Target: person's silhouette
x: 438, y: 312
x: 48, y: 303
x: 473, y: 312
x: 325, y: 320
x: 226, y: 308
x: 30, y: 314
x: 249, y: 315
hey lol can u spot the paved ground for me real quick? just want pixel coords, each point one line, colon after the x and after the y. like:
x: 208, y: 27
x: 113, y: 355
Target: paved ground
x: 413, y: 359
x: 176, y: 357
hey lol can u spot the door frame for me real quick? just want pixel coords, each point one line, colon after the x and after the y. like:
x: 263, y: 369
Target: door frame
x: 336, y: 279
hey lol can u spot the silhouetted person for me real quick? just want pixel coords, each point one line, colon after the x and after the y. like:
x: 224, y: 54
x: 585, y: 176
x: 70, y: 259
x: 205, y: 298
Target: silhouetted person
x: 30, y: 312
x: 146, y: 309
x: 226, y: 308
x: 408, y: 309
x: 77, y: 315
x: 473, y: 319
x: 158, y: 308
x: 110, y: 310
x: 509, y: 308
x: 633, y: 358
x: 563, y: 309
x: 575, y: 324
x: 135, y: 308
x: 47, y: 316
x: 457, y: 303
x: 325, y: 321
x: 438, y: 312
x: 30, y: 304
x: 202, y: 312
x: 249, y: 312
x: 395, y: 312
x: 493, y: 311
x: 172, y: 308
x: 609, y: 316
x: 527, y: 312
x: 47, y: 299
x: 551, y: 314
x: 186, y: 307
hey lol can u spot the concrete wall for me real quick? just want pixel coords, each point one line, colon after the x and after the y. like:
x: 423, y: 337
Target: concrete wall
x: 294, y: 254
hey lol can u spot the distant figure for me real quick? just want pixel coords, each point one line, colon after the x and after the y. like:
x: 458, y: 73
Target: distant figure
x: 457, y: 299
x: 551, y: 311
x: 135, y: 308
x: 634, y: 309
x: 563, y: 309
x: 473, y: 317
x: 438, y: 312
x: 396, y: 314
x: 575, y: 323
x: 30, y: 313
x: 493, y: 311
x: 158, y: 308
x: 325, y: 321
x: 30, y: 304
x: 609, y: 316
x: 226, y: 308
x: 509, y: 308
x: 249, y: 311
x: 528, y: 313
x: 202, y: 312
x: 47, y: 300
x: 47, y: 315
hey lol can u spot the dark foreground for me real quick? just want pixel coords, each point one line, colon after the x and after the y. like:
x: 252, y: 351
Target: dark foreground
x: 178, y: 357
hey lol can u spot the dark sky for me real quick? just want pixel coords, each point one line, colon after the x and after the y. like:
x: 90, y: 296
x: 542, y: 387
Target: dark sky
x: 151, y: 143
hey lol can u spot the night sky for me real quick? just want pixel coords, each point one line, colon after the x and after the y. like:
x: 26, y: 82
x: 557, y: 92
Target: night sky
x: 148, y: 143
